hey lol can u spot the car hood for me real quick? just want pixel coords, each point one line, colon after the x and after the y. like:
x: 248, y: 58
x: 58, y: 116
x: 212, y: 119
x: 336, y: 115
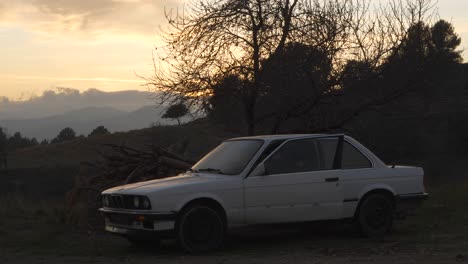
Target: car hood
x: 171, y: 182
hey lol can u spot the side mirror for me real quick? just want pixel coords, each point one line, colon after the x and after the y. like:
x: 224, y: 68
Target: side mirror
x: 259, y: 170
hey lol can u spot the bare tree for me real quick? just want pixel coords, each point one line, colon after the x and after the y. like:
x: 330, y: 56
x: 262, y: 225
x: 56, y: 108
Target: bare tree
x: 211, y: 40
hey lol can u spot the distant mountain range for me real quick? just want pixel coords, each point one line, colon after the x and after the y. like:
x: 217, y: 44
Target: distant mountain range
x: 63, y: 100
x: 83, y: 121
x: 43, y: 117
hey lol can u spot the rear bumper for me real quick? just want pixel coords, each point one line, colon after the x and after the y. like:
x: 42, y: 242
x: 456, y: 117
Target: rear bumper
x: 406, y: 204
x: 134, y: 223
x: 412, y: 197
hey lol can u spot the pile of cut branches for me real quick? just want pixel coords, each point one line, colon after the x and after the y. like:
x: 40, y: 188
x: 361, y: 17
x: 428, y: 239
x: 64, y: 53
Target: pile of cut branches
x: 121, y: 165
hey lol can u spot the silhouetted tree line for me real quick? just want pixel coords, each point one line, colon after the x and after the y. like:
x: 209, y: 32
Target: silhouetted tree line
x: 17, y: 141
x: 8, y: 144
x: 99, y: 131
x: 3, y: 148
x: 429, y: 118
x: 276, y: 65
x: 68, y: 134
x: 65, y: 134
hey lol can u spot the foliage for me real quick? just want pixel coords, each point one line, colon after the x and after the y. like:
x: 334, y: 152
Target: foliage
x: 3, y: 148
x: 9, y: 144
x: 3, y: 140
x: 294, y: 82
x: 445, y: 42
x: 424, y: 43
x: 98, y: 131
x: 176, y: 111
x: 225, y: 105
x: 65, y: 135
x: 17, y: 141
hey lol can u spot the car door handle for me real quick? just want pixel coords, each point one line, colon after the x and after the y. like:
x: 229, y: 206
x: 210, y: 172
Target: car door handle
x: 332, y: 179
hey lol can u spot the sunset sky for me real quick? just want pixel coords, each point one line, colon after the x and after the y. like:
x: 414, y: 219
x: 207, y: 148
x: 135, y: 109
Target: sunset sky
x: 100, y: 44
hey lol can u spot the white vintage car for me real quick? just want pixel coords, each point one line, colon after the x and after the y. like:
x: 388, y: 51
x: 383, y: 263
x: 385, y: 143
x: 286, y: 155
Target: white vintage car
x: 265, y: 179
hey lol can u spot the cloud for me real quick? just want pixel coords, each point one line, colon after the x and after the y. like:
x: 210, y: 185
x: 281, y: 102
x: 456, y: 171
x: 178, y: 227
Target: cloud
x: 70, y: 7
x: 2, y: 9
x: 86, y: 18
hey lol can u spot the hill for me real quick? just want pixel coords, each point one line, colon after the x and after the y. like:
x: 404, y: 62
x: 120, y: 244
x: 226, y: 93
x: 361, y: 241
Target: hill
x: 191, y: 140
x: 50, y: 170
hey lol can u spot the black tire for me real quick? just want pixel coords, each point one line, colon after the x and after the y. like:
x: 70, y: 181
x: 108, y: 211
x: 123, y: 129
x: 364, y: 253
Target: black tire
x: 200, y: 228
x: 375, y: 215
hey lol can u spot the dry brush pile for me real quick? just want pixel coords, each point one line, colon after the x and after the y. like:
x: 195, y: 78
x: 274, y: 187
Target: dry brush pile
x: 121, y: 165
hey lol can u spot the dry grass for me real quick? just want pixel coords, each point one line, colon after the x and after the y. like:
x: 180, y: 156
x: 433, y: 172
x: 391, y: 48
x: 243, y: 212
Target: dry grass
x: 38, y: 227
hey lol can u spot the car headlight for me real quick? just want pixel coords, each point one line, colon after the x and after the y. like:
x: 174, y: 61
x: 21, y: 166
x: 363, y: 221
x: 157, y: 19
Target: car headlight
x: 146, y: 203
x: 140, y: 202
x: 136, y: 202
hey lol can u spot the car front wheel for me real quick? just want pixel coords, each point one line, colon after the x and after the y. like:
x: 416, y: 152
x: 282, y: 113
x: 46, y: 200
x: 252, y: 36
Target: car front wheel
x: 375, y: 215
x: 200, y: 228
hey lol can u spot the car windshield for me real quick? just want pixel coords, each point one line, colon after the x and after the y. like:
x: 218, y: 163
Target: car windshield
x: 229, y: 158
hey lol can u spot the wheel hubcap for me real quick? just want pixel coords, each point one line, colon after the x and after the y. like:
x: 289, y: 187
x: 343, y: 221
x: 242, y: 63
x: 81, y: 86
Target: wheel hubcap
x: 378, y: 213
x: 202, y: 227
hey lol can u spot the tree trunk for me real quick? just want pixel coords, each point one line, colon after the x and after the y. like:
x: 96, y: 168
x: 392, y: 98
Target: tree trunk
x: 250, y: 116
x: 276, y: 125
x: 250, y: 128
x: 5, y: 161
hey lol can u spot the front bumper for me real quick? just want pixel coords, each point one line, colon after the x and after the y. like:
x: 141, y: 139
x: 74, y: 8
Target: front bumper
x: 132, y: 223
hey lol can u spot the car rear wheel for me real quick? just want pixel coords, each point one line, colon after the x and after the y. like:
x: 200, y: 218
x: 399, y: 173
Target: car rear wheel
x: 375, y: 215
x: 200, y: 228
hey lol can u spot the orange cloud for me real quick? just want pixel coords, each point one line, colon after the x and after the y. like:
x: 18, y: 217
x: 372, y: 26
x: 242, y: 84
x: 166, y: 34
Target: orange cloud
x: 91, y: 18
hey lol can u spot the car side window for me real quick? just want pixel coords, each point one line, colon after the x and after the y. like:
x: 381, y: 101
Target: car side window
x: 294, y: 156
x: 327, y: 150
x: 353, y: 158
x: 268, y: 150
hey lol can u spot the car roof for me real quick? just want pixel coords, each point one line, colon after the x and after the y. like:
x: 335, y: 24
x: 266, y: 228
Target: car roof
x: 283, y: 136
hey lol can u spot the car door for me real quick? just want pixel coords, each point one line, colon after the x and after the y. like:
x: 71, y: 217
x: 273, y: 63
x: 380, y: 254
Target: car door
x: 294, y: 187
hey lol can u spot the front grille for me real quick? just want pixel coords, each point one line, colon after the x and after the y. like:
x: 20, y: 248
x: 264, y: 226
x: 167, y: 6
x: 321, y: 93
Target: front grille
x: 116, y: 201
x: 120, y: 201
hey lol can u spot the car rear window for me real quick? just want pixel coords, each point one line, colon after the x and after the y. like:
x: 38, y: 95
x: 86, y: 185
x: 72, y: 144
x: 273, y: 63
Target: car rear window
x: 353, y: 158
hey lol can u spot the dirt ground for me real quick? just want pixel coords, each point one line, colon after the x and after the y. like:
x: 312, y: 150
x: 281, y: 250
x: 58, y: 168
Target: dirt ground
x: 36, y: 231
x: 312, y: 243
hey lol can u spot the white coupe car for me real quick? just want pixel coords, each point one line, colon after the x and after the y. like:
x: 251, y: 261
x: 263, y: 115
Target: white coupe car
x: 265, y: 179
